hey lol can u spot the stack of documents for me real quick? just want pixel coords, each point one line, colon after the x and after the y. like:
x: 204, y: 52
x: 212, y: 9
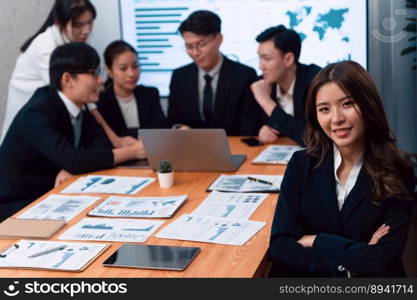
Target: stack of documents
x: 222, y: 218
x: 108, y: 184
x: 247, y: 183
x: 211, y: 230
x: 58, y: 207
x: 50, y: 255
x: 140, y: 207
x: 230, y: 205
x: 115, y: 230
x: 276, y: 155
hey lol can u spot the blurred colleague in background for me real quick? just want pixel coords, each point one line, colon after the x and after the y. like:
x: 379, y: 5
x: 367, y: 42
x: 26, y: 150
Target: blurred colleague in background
x: 68, y: 21
x: 282, y: 91
x: 212, y: 91
x: 125, y: 105
x: 54, y: 136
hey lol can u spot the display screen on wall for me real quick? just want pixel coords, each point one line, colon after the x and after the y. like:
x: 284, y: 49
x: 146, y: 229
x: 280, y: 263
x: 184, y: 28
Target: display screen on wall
x: 331, y: 30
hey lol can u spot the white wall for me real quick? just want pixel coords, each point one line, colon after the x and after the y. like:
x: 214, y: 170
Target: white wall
x: 107, y: 24
x: 19, y: 19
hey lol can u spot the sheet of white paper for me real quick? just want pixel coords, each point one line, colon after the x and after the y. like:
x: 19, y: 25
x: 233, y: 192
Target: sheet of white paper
x: 230, y: 205
x: 276, y: 154
x: 241, y: 183
x: 139, y: 207
x: 211, y: 230
x: 59, y: 207
x: 108, y: 184
x: 73, y: 257
x: 115, y: 230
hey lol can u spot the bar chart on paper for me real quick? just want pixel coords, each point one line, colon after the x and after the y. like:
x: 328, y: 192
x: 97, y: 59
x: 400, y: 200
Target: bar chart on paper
x: 92, y: 229
x: 138, y: 207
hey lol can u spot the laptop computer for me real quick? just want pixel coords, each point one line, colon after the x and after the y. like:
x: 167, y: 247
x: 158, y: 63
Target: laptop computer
x: 190, y: 150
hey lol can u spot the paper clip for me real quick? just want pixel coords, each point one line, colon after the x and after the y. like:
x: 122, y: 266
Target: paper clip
x: 6, y: 252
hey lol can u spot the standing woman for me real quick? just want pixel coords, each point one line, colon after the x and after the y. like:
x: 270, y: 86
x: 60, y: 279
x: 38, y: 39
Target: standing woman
x: 345, y: 201
x: 68, y: 21
x: 124, y: 105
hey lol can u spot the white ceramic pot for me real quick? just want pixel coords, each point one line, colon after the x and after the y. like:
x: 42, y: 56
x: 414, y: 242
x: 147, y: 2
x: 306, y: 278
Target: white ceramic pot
x: 166, y: 180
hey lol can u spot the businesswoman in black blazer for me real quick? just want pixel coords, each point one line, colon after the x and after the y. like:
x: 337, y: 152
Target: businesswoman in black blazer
x: 345, y: 203
x: 124, y: 105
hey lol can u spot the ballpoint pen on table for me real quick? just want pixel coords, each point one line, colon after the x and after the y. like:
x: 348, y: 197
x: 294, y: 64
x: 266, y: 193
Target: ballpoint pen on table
x: 259, y: 180
x: 48, y: 251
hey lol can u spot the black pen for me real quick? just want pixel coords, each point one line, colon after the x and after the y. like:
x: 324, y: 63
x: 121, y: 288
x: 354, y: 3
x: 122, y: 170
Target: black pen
x: 259, y: 180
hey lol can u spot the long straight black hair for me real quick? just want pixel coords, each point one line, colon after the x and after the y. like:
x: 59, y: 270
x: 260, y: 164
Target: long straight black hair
x: 61, y: 13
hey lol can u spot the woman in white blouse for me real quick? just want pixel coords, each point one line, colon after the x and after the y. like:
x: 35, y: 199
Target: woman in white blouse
x: 345, y: 202
x: 68, y: 21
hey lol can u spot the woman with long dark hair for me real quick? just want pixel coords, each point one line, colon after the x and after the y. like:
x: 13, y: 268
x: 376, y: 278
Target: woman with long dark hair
x: 345, y: 201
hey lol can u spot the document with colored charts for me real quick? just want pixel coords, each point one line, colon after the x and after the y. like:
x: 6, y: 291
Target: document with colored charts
x: 108, y: 184
x: 58, y: 207
x: 114, y: 230
x: 211, y: 230
x: 276, y: 154
x: 138, y: 207
x: 50, y: 255
x: 230, y: 205
x: 240, y: 183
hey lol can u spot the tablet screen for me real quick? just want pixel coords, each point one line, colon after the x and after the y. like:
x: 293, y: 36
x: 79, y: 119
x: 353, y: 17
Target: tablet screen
x: 152, y: 257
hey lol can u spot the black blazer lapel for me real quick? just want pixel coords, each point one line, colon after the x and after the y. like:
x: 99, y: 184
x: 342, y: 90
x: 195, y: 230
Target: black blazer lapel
x: 62, y: 115
x: 192, y: 86
x: 326, y: 187
x: 143, y: 106
x: 301, y: 82
x: 359, y: 192
x: 222, y: 92
x: 274, y: 93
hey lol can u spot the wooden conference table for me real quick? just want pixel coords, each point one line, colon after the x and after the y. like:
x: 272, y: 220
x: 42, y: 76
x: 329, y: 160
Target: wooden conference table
x: 214, y: 260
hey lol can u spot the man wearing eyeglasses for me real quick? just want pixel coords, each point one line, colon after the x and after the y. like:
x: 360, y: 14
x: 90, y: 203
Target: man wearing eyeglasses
x: 212, y: 91
x: 53, y: 136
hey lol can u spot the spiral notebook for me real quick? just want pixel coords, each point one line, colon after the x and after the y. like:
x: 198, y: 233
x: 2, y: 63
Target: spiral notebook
x: 29, y: 228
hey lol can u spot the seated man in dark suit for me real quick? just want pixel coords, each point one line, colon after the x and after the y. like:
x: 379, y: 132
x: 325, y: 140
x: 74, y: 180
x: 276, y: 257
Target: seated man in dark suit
x: 211, y: 91
x: 53, y: 136
x: 282, y: 91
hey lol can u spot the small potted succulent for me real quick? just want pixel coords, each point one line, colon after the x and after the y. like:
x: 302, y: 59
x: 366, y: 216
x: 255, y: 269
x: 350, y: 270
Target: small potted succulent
x: 165, y: 174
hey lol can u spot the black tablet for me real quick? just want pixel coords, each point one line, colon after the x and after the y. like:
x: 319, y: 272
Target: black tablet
x: 152, y: 257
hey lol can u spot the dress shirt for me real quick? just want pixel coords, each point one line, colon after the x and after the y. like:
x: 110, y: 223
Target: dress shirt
x: 71, y: 107
x: 129, y: 108
x: 343, y: 190
x: 286, y: 101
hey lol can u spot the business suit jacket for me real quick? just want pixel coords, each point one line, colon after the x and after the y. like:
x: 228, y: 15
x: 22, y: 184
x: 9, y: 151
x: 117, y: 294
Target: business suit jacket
x: 40, y: 143
x: 149, y: 110
x: 233, y: 90
x: 308, y: 206
x: 291, y: 126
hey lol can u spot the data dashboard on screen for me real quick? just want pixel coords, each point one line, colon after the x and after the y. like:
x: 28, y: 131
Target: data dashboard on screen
x: 331, y: 31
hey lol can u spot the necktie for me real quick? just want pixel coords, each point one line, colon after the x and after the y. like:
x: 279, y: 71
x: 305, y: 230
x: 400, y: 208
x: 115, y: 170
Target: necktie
x: 77, y: 129
x: 207, y: 99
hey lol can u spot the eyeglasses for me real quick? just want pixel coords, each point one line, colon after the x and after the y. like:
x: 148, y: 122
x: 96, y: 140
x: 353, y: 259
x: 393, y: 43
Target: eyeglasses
x: 199, y: 45
x: 98, y: 72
